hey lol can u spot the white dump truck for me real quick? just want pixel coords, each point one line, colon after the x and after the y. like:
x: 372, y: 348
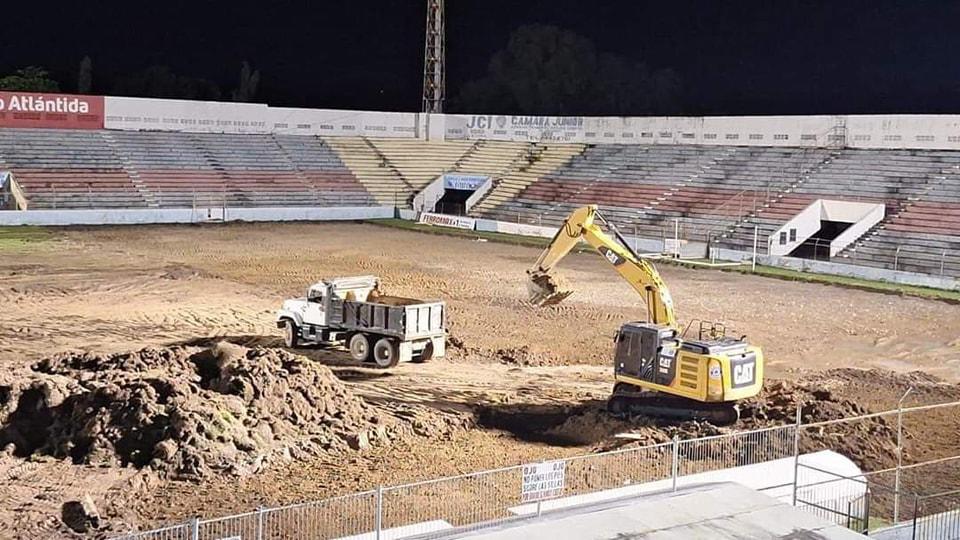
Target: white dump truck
x: 376, y: 328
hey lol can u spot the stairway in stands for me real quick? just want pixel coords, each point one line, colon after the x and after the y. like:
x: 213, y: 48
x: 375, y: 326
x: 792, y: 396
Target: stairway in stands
x: 539, y: 160
x: 371, y: 169
x: 299, y: 174
x: 148, y: 196
x: 740, y: 234
x: 651, y: 213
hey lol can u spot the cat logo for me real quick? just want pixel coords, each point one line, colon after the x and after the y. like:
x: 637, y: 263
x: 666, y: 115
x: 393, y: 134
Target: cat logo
x: 611, y: 256
x: 743, y: 374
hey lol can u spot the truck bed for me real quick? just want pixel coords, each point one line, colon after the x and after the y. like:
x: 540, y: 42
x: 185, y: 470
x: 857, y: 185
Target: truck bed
x: 406, y: 319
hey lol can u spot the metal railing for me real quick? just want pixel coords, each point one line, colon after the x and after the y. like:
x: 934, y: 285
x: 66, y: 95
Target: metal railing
x: 937, y: 516
x: 868, y: 504
x: 478, y: 499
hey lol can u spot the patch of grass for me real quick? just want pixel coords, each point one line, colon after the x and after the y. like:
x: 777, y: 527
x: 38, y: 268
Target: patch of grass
x: 765, y: 271
x: 853, y: 283
x: 24, y: 237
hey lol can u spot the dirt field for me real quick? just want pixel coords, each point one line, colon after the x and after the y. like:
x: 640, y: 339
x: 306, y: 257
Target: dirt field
x: 515, y: 373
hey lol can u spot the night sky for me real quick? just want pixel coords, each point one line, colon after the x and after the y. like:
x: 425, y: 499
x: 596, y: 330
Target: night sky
x: 733, y: 57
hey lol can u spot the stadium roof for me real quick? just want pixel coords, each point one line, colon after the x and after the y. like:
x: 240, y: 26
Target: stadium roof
x: 724, y: 510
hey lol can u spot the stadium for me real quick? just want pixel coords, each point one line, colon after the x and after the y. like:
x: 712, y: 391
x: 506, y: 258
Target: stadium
x: 147, y: 392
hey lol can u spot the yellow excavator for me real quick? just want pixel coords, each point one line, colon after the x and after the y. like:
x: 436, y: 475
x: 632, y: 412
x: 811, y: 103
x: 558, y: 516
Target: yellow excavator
x: 658, y: 370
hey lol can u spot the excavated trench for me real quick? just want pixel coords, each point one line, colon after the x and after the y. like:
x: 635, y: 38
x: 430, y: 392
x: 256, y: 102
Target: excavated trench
x: 870, y: 442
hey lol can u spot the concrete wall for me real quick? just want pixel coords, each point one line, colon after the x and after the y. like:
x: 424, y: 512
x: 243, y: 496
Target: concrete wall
x: 857, y: 131
x: 806, y: 223
x: 840, y: 269
x: 861, y: 216
x: 218, y: 117
x: 648, y: 245
x: 187, y: 215
x: 863, y: 224
x: 427, y: 199
x: 477, y: 195
x: 521, y: 229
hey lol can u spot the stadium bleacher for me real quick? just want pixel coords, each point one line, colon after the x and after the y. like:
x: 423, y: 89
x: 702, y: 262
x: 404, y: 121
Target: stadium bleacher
x: 68, y: 169
x: 118, y: 169
x: 717, y: 194
x: 923, y: 237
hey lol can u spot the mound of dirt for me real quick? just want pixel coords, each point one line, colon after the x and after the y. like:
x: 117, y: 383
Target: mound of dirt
x: 871, y: 443
x: 191, y: 412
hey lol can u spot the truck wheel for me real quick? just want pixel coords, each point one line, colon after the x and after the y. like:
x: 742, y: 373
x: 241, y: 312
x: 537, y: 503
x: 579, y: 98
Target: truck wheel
x: 359, y: 347
x: 385, y: 353
x: 290, y: 334
x: 425, y: 355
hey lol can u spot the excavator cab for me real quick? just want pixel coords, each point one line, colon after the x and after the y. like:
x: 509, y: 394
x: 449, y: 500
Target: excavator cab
x: 647, y: 352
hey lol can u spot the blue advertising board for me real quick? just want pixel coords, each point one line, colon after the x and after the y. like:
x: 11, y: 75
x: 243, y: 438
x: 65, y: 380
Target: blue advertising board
x: 466, y: 182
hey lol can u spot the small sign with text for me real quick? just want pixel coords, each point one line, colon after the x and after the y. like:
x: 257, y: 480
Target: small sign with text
x: 543, y: 481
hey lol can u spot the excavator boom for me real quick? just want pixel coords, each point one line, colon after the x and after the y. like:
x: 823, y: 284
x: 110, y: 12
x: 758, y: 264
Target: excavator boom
x: 547, y: 288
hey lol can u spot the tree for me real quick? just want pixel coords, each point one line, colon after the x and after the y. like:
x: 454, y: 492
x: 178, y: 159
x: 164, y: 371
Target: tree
x: 160, y: 82
x: 249, y: 81
x: 85, y: 76
x: 546, y: 70
x: 29, y: 79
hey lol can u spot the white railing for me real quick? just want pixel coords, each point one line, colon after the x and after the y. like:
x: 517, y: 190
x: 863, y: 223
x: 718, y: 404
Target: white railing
x: 477, y: 500
x: 8, y: 184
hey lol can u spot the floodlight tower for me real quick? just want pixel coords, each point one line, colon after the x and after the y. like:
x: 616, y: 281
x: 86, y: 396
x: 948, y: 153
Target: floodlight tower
x: 434, y: 74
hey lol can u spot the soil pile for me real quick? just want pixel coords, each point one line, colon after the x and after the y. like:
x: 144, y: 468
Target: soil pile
x: 191, y: 412
x: 871, y: 442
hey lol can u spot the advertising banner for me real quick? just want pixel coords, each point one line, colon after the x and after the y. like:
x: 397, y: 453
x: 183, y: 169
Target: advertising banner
x: 60, y: 111
x: 521, y: 229
x: 466, y: 182
x: 444, y: 220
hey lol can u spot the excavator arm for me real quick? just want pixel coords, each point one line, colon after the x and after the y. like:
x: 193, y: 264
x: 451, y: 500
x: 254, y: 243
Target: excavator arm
x: 545, y: 285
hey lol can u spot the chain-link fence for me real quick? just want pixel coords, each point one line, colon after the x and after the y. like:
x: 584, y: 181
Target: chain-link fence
x: 768, y: 459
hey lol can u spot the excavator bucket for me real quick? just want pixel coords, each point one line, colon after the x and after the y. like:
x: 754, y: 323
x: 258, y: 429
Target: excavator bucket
x: 546, y: 289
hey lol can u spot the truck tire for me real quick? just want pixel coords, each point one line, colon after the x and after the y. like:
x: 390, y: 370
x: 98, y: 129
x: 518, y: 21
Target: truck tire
x: 359, y: 346
x: 291, y: 334
x: 386, y: 354
x: 425, y: 355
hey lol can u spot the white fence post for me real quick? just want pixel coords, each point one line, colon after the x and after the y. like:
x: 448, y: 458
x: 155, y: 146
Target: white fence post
x: 675, y: 465
x: 260, y: 522
x: 195, y: 528
x: 896, y: 480
x: 379, y: 517
x: 796, y: 452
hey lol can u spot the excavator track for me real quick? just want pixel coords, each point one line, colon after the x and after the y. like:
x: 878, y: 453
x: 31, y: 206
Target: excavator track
x: 628, y: 400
